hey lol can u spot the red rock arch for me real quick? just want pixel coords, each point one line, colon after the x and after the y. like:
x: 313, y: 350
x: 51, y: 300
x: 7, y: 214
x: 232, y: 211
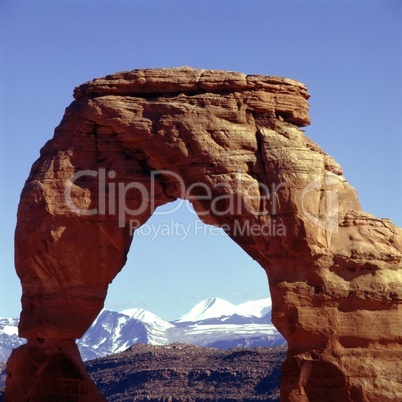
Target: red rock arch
x: 231, y: 144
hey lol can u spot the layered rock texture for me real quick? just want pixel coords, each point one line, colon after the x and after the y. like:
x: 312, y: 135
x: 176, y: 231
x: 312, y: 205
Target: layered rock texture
x: 231, y: 145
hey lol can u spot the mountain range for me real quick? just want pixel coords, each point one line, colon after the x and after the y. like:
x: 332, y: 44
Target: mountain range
x: 212, y: 322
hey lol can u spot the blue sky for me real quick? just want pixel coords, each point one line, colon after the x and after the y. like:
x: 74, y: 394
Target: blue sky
x: 349, y: 53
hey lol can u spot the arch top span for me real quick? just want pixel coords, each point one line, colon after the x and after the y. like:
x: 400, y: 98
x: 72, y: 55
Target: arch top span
x: 291, y: 102
x: 231, y: 144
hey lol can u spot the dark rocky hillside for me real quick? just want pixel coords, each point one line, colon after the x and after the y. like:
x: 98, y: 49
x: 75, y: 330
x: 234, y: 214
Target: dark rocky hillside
x: 186, y: 373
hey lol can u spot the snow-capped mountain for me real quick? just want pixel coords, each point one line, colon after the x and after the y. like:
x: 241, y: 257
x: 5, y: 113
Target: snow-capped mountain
x: 9, y: 337
x: 215, y: 311
x: 212, y: 322
x: 255, y: 308
x: 207, y: 309
x: 113, y: 332
x: 147, y: 318
x: 217, y: 323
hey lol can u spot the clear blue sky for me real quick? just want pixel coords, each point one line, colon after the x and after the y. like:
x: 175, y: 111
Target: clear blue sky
x: 349, y: 53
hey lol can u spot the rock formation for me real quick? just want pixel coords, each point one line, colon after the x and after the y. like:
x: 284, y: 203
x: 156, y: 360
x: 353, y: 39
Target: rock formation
x: 231, y: 145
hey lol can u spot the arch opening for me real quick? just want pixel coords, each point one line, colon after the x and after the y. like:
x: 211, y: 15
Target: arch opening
x: 181, y: 260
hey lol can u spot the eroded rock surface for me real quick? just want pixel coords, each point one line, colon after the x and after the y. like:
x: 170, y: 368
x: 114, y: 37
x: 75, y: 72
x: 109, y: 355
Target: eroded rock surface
x: 231, y: 145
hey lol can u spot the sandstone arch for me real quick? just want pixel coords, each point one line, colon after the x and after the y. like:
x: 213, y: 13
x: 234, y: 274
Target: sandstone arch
x: 335, y: 276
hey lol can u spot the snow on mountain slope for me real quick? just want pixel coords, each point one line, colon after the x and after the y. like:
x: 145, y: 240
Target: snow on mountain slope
x: 147, y: 318
x: 155, y: 326
x: 105, y: 335
x: 217, y: 323
x: 208, y: 308
x: 255, y: 308
x: 113, y: 332
x: 224, y: 336
x: 9, y: 337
